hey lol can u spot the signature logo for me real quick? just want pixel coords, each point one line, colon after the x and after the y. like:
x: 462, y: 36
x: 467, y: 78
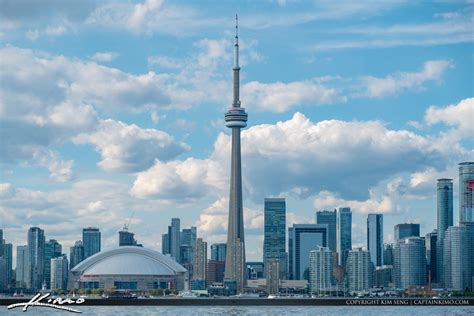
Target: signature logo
x: 40, y: 300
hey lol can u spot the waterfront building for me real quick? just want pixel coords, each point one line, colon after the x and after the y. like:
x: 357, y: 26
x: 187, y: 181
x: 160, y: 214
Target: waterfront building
x: 23, y: 279
x: 59, y: 273
x: 375, y: 238
x: 410, y: 263
x: 3, y: 274
x: 431, y: 245
x: 272, y: 272
x: 383, y: 276
x: 187, y: 245
x: 466, y: 192
x: 36, y: 248
x: 274, y: 246
x: 344, y: 234
x: 388, y: 254
x: 76, y: 254
x: 330, y: 219
x: 359, y: 270
x: 8, y: 256
x: 200, y: 260
x: 304, y: 238
x: 402, y: 231
x: 445, y: 219
x: 321, y: 270
x: 215, y: 272
x: 126, y: 238
x: 218, y: 251
x: 174, y: 235
x: 129, y: 268
x: 165, y: 244
x: 459, y: 257
x: 91, y: 240
x: 52, y: 249
x: 236, y: 119
x: 255, y: 270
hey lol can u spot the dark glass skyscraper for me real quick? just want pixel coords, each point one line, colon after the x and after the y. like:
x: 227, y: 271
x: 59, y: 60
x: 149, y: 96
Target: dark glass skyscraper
x: 403, y: 231
x: 409, y: 262
x: 344, y: 234
x: 36, y: 248
x: 76, y: 254
x: 274, y: 235
x: 430, y: 243
x: 174, y: 235
x: 329, y: 218
x: 466, y: 192
x: 91, y: 240
x: 126, y: 238
x: 375, y: 238
x: 218, y: 252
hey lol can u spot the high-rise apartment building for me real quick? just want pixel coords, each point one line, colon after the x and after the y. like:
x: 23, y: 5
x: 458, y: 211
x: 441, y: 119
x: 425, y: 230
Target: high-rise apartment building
x: 375, y: 238
x: 274, y: 243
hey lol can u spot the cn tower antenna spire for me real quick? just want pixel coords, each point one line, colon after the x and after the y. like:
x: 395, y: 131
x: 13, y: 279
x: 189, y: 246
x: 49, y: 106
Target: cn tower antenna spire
x: 236, y: 29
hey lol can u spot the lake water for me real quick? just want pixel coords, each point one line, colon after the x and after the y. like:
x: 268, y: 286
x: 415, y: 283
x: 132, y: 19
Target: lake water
x: 248, y: 310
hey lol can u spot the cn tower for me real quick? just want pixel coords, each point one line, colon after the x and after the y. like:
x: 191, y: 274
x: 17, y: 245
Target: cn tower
x: 236, y: 118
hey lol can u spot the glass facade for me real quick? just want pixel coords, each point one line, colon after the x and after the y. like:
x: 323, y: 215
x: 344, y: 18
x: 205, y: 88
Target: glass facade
x: 375, y: 238
x: 403, y: 231
x: 36, y: 245
x: 466, y: 192
x: 218, y: 252
x: 306, y: 237
x: 76, y: 254
x: 344, y: 229
x: 445, y: 219
x: 459, y: 257
x: 410, y: 263
x: 359, y: 270
x: 275, y: 233
x: 431, y: 245
x: 52, y: 250
x: 330, y: 219
x: 91, y: 241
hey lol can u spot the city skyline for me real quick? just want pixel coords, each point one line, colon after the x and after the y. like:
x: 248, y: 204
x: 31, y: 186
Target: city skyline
x: 94, y: 149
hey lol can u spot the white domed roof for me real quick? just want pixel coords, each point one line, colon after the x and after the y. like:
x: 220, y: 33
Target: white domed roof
x: 129, y: 260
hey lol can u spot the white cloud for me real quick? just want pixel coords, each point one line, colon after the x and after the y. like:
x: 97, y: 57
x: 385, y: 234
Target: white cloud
x: 280, y: 97
x: 460, y: 116
x: 104, y: 56
x: 374, y: 204
x: 129, y: 148
x: 392, y: 84
x: 300, y: 158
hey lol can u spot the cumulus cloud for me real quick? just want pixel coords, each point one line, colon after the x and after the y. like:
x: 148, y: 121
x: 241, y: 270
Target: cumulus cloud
x: 379, y: 87
x: 129, y: 148
x: 104, y: 56
x: 460, y: 116
x: 280, y: 97
x: 300, y: 158
x: 374, y: 204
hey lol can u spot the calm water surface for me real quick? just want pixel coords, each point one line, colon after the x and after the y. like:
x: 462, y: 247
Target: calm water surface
x: 248, y: 310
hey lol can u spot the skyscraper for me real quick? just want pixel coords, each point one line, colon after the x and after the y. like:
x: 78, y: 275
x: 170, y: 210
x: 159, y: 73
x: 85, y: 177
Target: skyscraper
x: 466, y: 192
x: 76, y: 253
x: 126, y: 238
x: 409, y: 262
x: 200, y: 261
x: 405, y: 230
x: 52, y: 249
x: 445, y: 219
x: 187, y: 245
x: 91, y: 240
x: 304, y: 238
x: 218, y: 252
x: 36, y: 248
x: 3, y: 274
x: 430, y: 243
x: 8, y: 256
x: 330, y: 219
x: 22, y: 269
x: 444, y: 205
x: 165, y: 244
x: 272, y: 269
x: 59, y: 272
x: 320, y: 270
x: 236, y: 118
x: 459, y: 257
x: 359, y: 270
x: 375, y: 238
x: 174, y: 235
x: 388, y: 254
x: 344, y: 236
x: 275, y: 233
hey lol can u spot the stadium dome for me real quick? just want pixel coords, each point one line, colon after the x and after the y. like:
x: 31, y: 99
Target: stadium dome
x: 128, y: 267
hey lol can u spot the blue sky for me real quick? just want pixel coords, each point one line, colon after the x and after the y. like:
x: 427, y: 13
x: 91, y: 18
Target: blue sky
x: 114, y: 107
